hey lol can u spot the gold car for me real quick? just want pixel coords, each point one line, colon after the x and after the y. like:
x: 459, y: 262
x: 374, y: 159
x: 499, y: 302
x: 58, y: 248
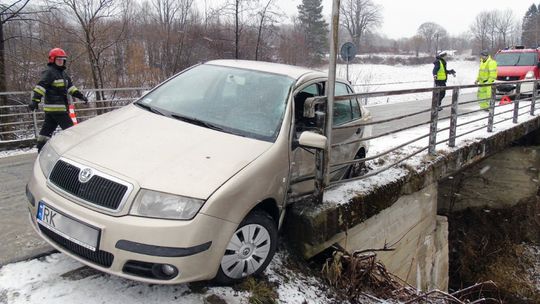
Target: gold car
x: 189, y: 182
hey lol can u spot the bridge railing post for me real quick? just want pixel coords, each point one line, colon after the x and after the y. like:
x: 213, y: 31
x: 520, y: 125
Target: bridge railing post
x: 534, y: 95
x: 516, y: 103
x: 491, y: 114
x: 453, y: 118
x: 434, y: 119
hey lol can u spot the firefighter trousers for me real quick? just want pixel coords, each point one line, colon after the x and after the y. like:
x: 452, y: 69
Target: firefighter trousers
x: 52, y: 120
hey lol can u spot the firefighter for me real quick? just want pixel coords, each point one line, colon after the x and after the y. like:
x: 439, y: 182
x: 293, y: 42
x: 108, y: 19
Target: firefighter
x: 54, y: 86
x: 440, y: 75
x: 487, y: 74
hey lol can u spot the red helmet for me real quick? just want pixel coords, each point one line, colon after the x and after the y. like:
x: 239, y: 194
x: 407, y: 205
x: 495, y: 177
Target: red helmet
x: 56, y: 52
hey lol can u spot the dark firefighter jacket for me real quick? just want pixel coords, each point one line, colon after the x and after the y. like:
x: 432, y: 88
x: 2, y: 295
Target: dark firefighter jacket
x: 54, y: 85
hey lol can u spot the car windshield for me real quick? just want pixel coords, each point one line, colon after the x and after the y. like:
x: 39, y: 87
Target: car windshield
x: 238, y: 101
x: 516, y: 59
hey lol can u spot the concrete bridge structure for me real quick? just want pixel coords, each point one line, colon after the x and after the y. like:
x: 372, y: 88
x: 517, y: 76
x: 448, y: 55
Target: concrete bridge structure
x: 399, y: 212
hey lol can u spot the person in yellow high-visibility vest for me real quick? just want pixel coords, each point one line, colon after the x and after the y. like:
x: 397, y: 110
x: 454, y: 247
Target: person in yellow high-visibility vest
x: 440, y: 74
x: 487, y: 74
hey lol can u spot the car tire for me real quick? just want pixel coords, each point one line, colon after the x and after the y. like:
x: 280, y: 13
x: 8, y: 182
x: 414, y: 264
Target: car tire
x: 250, y: 249
x: 356, y: 169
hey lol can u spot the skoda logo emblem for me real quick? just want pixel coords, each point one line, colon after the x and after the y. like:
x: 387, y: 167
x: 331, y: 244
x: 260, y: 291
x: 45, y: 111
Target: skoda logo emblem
x: 85, y: 175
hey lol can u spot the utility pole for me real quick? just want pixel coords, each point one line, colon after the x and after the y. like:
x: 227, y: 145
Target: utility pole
x: 334, y: 36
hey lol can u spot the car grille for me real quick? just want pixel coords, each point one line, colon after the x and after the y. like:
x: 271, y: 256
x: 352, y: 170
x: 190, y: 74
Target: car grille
x: 98, y: 190
x: 102, y: 258
x: 508, y: 78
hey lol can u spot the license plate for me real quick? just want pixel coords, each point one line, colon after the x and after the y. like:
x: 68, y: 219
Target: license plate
x: 63, y: 225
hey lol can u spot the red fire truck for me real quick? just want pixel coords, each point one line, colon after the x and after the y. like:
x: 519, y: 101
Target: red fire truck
x: 518, y: 63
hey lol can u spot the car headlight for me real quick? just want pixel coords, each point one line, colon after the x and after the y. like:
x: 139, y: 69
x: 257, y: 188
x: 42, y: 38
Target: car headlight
x: 163, y: 205
x: 47, y: 159
x: 529, y: 75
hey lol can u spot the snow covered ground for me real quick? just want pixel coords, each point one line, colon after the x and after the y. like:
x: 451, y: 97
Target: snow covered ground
x: 379, y: 77
x: 60, y: 279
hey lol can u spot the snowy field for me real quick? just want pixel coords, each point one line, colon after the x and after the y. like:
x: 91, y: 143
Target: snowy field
x: 379, y: 77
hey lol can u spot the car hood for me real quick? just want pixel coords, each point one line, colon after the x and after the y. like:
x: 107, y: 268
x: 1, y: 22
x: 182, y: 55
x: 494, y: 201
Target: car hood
x: 520, y: 71
x: 160, y: 153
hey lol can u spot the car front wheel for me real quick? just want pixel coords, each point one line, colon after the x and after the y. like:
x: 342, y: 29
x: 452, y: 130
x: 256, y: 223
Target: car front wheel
x: 250, y: 249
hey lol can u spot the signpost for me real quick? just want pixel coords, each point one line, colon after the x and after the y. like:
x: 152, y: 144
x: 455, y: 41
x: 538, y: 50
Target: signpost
x: 348, y: 51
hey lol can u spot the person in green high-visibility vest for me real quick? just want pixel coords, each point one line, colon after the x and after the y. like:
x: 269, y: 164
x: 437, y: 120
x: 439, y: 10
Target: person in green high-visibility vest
x: 487, y: 74
x: 440, y: 75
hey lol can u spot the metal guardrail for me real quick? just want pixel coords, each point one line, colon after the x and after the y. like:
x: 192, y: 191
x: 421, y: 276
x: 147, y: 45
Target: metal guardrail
x: 19, y: 126
x: 519, y: 103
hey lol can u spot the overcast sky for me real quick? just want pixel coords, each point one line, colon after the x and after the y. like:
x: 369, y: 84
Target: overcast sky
x: 402, y: 17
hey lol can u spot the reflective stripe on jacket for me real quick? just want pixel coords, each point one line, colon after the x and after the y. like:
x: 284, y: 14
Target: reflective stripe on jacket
x: 54, y: 86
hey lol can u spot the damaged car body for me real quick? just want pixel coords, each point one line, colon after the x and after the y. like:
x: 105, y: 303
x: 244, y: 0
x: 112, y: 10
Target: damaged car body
x: 191, y: 181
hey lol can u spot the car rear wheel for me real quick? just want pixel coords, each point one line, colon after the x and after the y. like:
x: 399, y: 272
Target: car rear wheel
x: 358, y: 168
x: 250, y: 248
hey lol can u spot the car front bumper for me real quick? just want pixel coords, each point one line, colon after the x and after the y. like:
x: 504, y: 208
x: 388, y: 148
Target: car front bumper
x: 193, y: 247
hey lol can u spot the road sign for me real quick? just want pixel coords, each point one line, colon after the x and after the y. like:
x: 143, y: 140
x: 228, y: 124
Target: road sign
x: 348, y: 51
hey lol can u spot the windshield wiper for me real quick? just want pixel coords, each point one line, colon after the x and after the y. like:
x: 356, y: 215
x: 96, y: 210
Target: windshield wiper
x: 149, y: 108
x: 198, y: 122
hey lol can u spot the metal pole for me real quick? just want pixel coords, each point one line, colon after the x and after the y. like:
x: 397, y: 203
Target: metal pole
x: 347, y: 68
x: 491, y: 109
x: 34, y: 120
x: 331, y: 89
x: 453, y: 118
x: 516, y: 103
x: 534, y: 94
x: 434, y: 119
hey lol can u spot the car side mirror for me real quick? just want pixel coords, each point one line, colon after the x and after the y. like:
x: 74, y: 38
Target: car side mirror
x: 538, y: 65
x: 313, y: 140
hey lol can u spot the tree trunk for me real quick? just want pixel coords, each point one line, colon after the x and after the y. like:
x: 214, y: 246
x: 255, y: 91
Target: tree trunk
x: 236, y: 29
x: 3, y: 87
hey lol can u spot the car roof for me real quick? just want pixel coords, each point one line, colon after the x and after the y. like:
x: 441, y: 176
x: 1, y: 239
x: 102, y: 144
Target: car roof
x: 520, y: 51
x: 292, y: 71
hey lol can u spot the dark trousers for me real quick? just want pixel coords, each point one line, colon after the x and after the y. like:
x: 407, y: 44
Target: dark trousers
x: 52, y: 120
x: 442, y: 93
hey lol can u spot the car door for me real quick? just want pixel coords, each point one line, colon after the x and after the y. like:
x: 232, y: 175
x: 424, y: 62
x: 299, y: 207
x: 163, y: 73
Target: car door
x: 346, y: 112
x: 303, y: 159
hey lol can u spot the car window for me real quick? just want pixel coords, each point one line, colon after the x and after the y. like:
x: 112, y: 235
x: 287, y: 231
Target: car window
x: 342, y: 108
x: 312, y: 90
x: 516, y: 59
x: 238, y: 101
x: 356, y: 112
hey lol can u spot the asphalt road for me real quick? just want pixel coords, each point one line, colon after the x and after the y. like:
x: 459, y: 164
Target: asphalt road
x: 18, y: 239
x: 385, y: 111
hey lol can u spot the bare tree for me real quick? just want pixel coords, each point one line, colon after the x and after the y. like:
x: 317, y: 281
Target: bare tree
x: 267, y: 15
x: 504, y: 23
x: 359, y: 17
x: 480, y: 29
x: 432, y: 32
x: 8, y: 13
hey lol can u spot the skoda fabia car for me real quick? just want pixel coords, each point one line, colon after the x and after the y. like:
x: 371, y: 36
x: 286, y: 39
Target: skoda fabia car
x: 190, y: 182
